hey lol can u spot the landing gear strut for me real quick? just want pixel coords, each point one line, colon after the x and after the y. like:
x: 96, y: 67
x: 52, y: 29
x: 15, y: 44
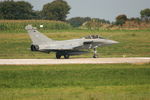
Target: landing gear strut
x: 95, y: 53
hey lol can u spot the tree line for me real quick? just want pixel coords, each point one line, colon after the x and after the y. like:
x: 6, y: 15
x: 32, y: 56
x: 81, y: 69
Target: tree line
x: 145, y: 16
x: 57, y: 10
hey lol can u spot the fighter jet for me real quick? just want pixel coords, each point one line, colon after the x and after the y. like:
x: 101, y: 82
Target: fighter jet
x: 66, y: 48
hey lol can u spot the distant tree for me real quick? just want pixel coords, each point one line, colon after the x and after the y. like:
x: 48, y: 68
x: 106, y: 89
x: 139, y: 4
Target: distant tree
x: 101, y: 20
x: 135, y: 19
x: 121, y: 19
x: 78, y: 21
x: 56, y: 10
x: 145, y: 14
x: 24, y: 10
x: 37, y: 15
x: 15, y: 10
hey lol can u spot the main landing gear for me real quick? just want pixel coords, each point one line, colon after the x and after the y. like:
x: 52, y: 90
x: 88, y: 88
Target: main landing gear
x: 95, y: 53
x: 58, y: 55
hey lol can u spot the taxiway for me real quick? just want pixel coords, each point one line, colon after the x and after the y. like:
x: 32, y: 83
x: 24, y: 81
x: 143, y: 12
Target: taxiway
x: 74, y: 61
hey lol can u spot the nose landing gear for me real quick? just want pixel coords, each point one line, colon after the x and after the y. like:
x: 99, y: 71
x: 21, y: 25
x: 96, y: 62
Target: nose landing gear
x: 95, y: 53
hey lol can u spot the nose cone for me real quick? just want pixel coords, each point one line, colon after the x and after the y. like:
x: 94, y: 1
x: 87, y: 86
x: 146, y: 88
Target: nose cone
x: 112, y: 42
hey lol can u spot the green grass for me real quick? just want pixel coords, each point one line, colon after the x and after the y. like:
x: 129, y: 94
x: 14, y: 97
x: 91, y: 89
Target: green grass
x: 132, y: 43
x: 75, y: 82
x: 73, y: 75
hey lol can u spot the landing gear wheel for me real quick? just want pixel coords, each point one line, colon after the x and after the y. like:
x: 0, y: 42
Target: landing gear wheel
x: 66, y: 56
x: 94, y: 56
x: 58, y: 56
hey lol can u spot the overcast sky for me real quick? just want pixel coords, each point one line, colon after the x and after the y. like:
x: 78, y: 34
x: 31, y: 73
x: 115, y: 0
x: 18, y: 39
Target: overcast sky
x: 105, y: 9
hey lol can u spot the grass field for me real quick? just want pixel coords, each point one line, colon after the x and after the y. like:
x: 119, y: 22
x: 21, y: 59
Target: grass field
x: 75, y: 82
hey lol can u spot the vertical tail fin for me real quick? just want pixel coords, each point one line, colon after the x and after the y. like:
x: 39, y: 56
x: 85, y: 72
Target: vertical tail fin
x: 37, y: 37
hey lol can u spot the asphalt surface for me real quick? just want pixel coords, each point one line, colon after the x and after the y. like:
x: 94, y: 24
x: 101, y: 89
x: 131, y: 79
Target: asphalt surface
x: 74, y: 61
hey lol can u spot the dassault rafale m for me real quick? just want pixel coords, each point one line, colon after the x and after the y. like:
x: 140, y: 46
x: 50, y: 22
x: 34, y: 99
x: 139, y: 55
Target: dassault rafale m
x: 66, y: 48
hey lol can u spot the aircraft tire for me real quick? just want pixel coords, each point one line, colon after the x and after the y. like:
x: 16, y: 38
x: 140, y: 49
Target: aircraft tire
x: 66, y: 56
x: 58, y: 56
x: 94, y: 56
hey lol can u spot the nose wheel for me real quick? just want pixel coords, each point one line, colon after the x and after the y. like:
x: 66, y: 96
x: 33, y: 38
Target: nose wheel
x: 95, y: 53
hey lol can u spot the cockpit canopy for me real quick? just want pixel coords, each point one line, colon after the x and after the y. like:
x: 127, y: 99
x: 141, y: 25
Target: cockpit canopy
x: 93, y: 37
